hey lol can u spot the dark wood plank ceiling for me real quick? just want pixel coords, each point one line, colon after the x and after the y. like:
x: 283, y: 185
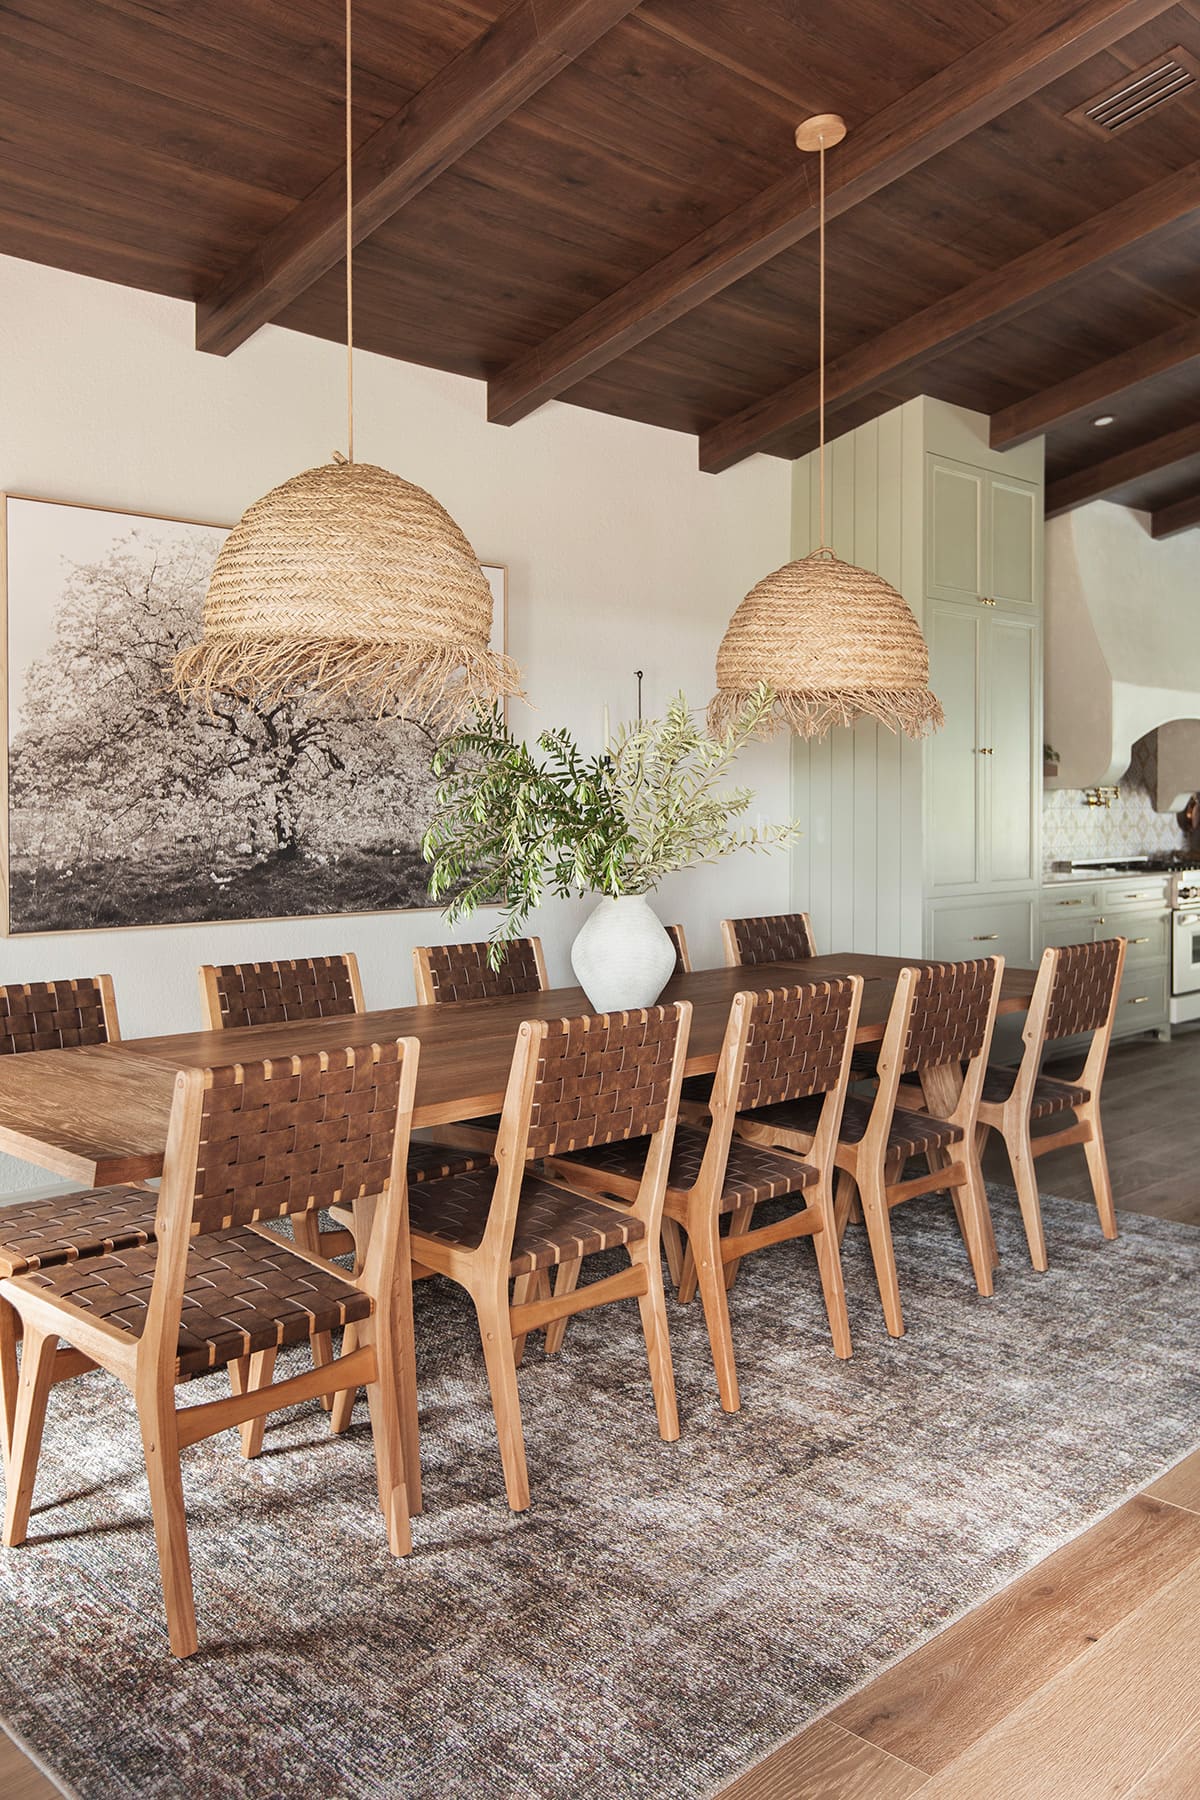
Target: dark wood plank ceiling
x: 158, y: 142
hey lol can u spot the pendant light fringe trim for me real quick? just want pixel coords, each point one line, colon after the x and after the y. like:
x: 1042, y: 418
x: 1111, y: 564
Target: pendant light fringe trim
x: 433, y: 684
x: 813, y: 714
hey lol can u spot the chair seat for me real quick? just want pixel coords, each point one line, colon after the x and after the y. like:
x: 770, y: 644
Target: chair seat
x: 864, y: 1065
x: 553, y: 1225
x: 697, y: 1088
x: 1050, y: 1095
x: 42, y: 1233
x: 435, y: 1162
x: 244, y: 1292
x: 751, y: 1174
x: 910, y: 1133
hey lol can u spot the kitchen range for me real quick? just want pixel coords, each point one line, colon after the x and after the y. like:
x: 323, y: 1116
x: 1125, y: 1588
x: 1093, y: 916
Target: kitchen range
x: 1184, y: 900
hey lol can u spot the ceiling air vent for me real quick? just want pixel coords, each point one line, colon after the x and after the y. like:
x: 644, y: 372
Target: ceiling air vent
x: 1140, y: 94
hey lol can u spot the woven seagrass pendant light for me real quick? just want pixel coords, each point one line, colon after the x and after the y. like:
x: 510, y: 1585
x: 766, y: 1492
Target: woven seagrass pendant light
x: 835, y: 642
x: 347, y: 580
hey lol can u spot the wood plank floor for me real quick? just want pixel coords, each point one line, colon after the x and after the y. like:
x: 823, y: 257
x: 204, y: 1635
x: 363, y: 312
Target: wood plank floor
x: 1080, y: 1680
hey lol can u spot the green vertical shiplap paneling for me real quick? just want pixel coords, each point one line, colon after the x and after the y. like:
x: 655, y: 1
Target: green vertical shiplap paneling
x: 858, y: 792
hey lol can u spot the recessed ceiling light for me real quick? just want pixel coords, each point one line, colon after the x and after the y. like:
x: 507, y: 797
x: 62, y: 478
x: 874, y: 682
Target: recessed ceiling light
x: 1105, y: 419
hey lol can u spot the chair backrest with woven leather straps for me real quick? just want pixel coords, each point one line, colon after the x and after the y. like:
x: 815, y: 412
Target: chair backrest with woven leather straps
x: 1084, y: 987
x: 778, y: 937
x: 57, y: 1015
x: 1076, y: 992
x: 453, y: 972
x: 942, y: 1018
x: 785, y: 1044
x: 595, y: 1079
x: 683, y: 959
x: 270, y: 993
x: 293, y: 1134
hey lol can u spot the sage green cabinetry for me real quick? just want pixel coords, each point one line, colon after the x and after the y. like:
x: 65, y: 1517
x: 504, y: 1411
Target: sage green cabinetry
x: 983, y: 535
x: 983, y: 788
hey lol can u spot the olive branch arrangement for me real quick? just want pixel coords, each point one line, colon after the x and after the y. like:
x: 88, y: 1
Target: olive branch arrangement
x: 514, y: 823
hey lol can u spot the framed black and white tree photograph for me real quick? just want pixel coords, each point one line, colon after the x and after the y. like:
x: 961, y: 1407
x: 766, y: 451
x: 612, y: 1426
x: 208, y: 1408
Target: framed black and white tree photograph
x: 127, y: 806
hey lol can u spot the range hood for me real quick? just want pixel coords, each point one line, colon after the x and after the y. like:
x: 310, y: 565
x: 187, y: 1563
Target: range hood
x: 1122, y: 648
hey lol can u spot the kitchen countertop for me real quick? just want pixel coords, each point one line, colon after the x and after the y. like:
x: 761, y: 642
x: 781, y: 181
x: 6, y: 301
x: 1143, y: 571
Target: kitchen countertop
x: 1078, y: 877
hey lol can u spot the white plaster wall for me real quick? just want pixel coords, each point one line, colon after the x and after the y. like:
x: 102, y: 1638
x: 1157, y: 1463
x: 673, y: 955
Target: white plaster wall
x: 621, y: 555
x: 1122, y: 637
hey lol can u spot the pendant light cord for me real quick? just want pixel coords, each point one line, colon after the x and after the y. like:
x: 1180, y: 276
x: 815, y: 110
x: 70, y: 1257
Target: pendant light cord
x: 349, y: 252
x: 821, y: 340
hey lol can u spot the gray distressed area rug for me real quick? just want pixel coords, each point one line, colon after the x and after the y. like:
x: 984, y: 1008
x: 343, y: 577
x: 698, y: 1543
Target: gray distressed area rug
x: 664, y: 1614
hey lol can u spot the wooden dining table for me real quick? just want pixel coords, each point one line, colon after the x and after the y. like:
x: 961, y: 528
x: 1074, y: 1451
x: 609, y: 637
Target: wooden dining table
x: 99, y: 1114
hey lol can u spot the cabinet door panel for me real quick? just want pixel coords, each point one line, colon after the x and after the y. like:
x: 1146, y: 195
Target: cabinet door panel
x: 954, y: 814
x: 956, y: 531
x: 1014, y: 519
x: 997, y: 926
x: 1010, y: 696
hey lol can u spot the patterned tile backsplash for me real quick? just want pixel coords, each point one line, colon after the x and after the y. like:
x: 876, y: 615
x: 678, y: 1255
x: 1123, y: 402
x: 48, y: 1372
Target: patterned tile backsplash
x: 1073, y: 832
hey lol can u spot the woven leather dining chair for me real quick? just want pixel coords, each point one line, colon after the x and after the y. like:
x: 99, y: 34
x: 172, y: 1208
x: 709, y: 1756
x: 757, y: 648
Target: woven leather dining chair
x: 1075, y: 992
x: 236, y: 995
x: 445, y: 974
x: 683, y: 960
x: 60, y: 1015
x: 57, y: 1015
x: 451, y: 972
x: 573, y: 1083
x: 941, y: 1019
x: 247, y: 1143
x: 778, y: 937
x: 779, y: 1046
x: 310, y: 987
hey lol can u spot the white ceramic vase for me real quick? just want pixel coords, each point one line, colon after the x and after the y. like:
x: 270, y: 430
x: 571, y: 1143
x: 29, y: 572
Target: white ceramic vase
x: 622, y: 957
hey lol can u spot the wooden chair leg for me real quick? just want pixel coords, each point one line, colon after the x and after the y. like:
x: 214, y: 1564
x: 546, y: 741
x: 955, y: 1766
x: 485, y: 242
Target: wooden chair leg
x: 686, y: 1291
x: 653, y: 1307
x: 704, y: 1239
x: 387, y: 1435
x: 672, y: 1239
x: 246, y: 1376
x: 33, y: 1390
x: 565, y: 1282
x: 495, y: 1331
x: 306, y: 1229
x: 872, y: 1188
x: 160, y: 1445
x: 845, y: 1201
x: 975, y: 1223
x: 829, y: 1267
x: 1097, y: 1162
x: 9, y: 1375
x: 740, y: 1220
x: 1020, y: 1156
x: 528, y: 1287
x: 342, y: 1410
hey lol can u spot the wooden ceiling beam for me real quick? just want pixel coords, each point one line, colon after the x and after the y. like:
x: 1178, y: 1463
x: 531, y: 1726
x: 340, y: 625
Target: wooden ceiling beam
x: 1118, y: 471
x: 1179, y: 516
x: 1095, y: 390
x: 978, y: 87
x: 992, y: 300
x: 527, y: 46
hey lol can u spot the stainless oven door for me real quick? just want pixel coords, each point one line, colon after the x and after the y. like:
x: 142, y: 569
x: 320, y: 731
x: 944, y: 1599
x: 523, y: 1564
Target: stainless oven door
x: 1185, y: 952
